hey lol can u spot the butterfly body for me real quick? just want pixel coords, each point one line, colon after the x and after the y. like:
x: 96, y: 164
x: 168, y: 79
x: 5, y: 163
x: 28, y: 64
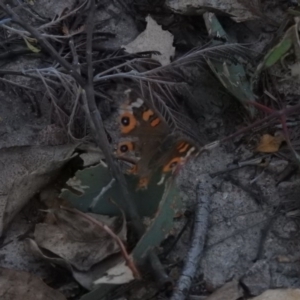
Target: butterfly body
x: 147, y: 141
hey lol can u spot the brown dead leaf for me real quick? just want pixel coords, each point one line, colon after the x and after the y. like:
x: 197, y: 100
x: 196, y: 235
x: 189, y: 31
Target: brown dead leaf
x: 100, y: 271
x: 269, y: 143
x: 26, y: 171
x: 19, y: 285
x: 78, y: 242
x: 280, y: 294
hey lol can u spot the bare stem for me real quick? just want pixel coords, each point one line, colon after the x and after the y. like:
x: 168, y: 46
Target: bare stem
x: 197, y: 245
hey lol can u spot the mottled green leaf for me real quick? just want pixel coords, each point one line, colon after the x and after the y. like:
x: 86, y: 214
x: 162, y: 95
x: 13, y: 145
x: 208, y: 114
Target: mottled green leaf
x: 159, y: 202
x: 89, y: 182
x: 289, y: 41
x: 232, y: 76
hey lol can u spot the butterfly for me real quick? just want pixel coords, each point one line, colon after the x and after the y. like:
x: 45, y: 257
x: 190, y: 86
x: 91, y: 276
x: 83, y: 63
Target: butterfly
x: 148, y: 143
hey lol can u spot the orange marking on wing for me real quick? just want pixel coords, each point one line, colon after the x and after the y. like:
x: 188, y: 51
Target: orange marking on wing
x: 125, y: 147
x: 181, y: 145
x: 147, y: 114
x: 155, y: 122
x: 183, y: 148
x: 171, y: 164
x: 143, y: 183
x: 132, y: 170
x: 128, y: 122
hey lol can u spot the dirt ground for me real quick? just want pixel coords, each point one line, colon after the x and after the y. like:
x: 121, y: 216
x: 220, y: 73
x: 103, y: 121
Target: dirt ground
x: 253, y: 218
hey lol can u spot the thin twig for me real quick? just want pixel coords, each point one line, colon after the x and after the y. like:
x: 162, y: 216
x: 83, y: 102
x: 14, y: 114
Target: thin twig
x: 18, y: 85
x: 44, y: 43
x: 100, y: 133
x: 71, y: 119
x: 197, y: 245
x: 58, y: 20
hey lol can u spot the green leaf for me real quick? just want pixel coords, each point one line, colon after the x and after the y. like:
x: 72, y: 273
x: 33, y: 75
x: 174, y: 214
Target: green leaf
x: 30, y: 46
x: 277, y: 52
x: 159, y: 202
x: 88, y: 183
x: 289, y: 40
x: 232, y: 76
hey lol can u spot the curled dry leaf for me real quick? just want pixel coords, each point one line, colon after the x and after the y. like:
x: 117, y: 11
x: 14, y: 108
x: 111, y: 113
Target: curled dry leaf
x: 234, y: 8
x: 81, y: 229
x: 25, y: 171
x: 154, y: 39
x: 19, y: 285
x: 78, y: 241
x: 269, y: 143
x: 280, y: 294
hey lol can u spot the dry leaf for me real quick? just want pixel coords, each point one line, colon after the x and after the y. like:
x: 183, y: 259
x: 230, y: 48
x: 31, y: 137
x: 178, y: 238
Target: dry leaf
x: 234, y: 8
x: 78, y: 242
x: 19, y: 285
x: 25, y: 172
x: 229, y: 291
x: 153, y: 39
x: 118, y: 274
x: 91, y: 158
x: 269, y: 143
x: 280, y: 294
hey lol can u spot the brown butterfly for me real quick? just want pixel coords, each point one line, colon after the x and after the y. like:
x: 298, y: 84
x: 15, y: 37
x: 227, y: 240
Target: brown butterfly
x: 147, y: 141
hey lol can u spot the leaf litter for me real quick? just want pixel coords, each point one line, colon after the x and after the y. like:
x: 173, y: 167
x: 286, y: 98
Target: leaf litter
x: 17, y: 285
x: 68, y: 240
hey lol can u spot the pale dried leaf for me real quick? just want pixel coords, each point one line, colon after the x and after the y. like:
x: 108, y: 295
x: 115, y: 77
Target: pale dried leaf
x: 91, y: 158
x: 76, y: 184
x: 118, y: 274
x: 154, y: 39
x: 280, y: 294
